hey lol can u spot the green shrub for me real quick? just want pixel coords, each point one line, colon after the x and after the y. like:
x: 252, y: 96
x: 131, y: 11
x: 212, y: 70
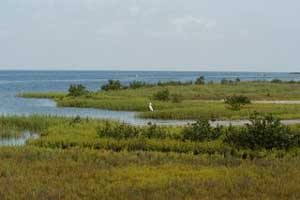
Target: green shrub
x: 154, y: 131
x: 201, y: 131
x: 163, y: 95
x: 125, y: 131
x: 176, y: 98
x: 200, y: 80
x: 137, y: 84
x: 262, y: 133
x: 77, y: 90
x: 224, y: 81
x: 117, y: 131
x: 112, y: 85
x: 174, y: 83
x: 236, y: 101
x: 276, y: 81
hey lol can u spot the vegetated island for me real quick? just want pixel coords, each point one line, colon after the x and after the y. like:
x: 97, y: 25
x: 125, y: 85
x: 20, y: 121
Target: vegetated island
x: 186, y: 100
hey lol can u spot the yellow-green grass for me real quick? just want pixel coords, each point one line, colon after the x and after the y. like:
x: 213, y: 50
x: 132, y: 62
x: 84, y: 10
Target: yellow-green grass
x: 195, y: 102
x: 220, y: 111
x: 34, y: 173
x: 71, y: 161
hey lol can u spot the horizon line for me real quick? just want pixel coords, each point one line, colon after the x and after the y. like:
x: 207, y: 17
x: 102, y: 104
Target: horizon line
x: 133, y: 70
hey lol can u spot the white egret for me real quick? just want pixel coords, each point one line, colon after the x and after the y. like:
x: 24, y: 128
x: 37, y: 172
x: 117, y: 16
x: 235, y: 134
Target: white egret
x: 150, y: 107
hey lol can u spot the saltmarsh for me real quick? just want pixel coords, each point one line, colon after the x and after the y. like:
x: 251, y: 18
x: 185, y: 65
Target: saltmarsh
x: 198, y: 101
x: 87, y: 159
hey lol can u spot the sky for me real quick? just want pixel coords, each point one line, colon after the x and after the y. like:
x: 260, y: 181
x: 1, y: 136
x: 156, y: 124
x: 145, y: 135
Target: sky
x: 194, y: 35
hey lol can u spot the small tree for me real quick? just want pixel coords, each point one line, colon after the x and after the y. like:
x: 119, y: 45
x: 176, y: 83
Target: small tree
x: 236, y: 101
x: 200, y: 80
x: 112, y: 85
x: 77, y: 90
x: 163, y: 95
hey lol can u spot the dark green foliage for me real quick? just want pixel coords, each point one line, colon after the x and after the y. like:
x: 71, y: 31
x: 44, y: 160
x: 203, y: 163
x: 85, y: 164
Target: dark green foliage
x: 292, y: 82
x: 117, y: 131
x: 77, y: 90
x: 262, y: 133
x: 154, y: 131
x: 225, y: 81
x: 125, y: 131
x: 163, y: 95
x: 276, y: 81
x: 200, y: 80
x: 174, y: 83
x: 76, y: 120
x: 176, y: 98
x: 137, y: 84
x: 236, y: 101
x: 201, y: 131
x: 112, y: 85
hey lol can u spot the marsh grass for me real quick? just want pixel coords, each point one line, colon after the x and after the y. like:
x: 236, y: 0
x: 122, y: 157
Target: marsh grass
x: 75, y: 174
x: 9, y: 132
x: 194, y: 100
x: 73, y: 159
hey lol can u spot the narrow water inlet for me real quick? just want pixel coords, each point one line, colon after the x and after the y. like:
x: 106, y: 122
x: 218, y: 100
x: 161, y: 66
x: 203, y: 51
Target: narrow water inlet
x: 18, y: 141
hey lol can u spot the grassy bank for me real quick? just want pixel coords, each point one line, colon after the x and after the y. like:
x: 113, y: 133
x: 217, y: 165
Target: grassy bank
x: 94, y: 159
x: 33, y: 173
x: 194, y: 100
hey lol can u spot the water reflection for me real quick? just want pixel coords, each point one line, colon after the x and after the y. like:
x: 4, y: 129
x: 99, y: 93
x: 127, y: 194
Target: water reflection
x: 18, y: 141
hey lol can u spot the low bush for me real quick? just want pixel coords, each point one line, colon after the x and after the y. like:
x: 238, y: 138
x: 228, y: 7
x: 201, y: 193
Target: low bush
x: 112, y: 85
x: 117, y: 131
x: 163, y: 95
x: 276, y: 81
x: 200, y: 80
x: 77, y: 90
x: 236, y: 101
x: 174, y: 83
x: 138, y: 84
x: 262, y: 133
x: 201, y: 131
x: 125, y: 131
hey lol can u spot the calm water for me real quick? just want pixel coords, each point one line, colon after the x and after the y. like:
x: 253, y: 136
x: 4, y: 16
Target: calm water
x: 14, y: 82
x: 18, y: 141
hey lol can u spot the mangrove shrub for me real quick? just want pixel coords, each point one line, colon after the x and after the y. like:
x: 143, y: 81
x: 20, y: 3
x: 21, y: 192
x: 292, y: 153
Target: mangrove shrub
x: 77, y: 90
x: 163, y: 95
x: 236, y: 101
x: 261, y: 133
x: 112, y: 85
x: 201, y: 131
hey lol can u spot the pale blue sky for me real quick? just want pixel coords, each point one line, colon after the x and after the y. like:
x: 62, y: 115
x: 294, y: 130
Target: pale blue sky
x: 231, y: 35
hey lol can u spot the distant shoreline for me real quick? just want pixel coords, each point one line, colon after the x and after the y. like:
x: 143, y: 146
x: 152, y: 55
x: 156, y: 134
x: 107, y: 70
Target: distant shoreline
x: 132, y: 70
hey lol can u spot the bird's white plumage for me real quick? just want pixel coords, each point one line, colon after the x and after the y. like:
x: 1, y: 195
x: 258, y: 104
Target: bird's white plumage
x: 150, y: 107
